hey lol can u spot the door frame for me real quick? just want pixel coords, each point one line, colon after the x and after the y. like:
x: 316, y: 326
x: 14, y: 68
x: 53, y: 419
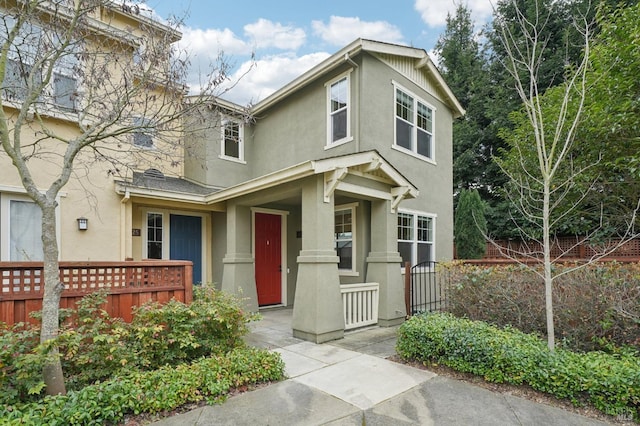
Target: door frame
x: 283, y: 245
x: 166, y: 234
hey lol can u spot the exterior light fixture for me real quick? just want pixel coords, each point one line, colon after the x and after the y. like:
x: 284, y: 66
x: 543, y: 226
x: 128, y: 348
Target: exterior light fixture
x: 83, y: 224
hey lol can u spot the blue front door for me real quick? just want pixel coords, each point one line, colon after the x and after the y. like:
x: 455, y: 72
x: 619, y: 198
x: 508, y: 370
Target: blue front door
x: 186, y: 242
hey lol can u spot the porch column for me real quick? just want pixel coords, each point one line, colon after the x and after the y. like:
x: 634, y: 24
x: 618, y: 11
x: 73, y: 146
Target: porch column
x: 317, y: 307
x: 238, y: 273
x: 384, y: 263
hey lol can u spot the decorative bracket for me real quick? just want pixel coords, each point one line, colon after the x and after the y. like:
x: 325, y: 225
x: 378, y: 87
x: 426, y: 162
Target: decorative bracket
x: 331, y: 181
x: 374, y: 165
x: 398, y: 193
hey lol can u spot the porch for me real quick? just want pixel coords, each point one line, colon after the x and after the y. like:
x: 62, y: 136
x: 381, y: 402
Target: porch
x: 274, y: 331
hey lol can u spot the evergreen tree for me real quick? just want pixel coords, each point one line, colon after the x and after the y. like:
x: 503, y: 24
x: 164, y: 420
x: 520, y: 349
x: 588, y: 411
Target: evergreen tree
x: 463, y: 67
x: 470, y: 226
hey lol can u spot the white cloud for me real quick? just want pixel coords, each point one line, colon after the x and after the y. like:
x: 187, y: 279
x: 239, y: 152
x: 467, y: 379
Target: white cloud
x: 267, y: 34
x: 268, y: 75
x: 343, y: 30
x: 210, y: 41
x: 434, y: 12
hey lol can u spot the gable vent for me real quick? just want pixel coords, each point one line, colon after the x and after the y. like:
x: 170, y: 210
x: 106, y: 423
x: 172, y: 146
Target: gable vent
x: 153, y: 173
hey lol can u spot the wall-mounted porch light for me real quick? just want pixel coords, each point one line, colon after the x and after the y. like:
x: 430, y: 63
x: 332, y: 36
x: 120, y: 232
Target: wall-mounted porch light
x: 83, y: 224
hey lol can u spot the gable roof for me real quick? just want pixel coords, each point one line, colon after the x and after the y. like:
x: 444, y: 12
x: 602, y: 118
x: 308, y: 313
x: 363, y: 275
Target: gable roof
x: 421, y: 59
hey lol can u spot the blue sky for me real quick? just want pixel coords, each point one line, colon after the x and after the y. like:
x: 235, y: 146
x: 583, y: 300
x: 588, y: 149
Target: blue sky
x: 289, y: 37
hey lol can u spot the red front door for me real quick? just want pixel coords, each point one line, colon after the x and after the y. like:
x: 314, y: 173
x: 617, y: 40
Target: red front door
x: 268, y: 258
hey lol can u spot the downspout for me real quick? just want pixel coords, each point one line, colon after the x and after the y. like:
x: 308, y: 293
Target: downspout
x: 355, y: 111
x: 125, y: 227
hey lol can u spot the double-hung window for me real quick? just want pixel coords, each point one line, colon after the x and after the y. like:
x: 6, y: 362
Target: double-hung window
x: 155, y: 235
x: 345, y: 231
x: 338, y: 113
x: 22, y: 54
x: 414, y: 124
x: 416, y: 237
x: 32, y: 44
x: 232, y: 140
x: 20, y: 229
x: 142, y: 132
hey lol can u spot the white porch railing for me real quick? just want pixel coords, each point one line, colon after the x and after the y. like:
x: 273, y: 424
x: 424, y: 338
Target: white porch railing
x: 359, y: 304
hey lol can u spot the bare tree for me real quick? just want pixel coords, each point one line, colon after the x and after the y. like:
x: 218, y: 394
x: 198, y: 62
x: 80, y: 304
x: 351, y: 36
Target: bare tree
x: 547, y: 184
x: 118, y: 85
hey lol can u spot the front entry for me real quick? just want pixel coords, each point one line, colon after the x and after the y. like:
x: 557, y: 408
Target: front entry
x: 186, y: 242
x: 268, y: 258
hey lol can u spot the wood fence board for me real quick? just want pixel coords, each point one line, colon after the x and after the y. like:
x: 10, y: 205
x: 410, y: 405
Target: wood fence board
x: 128, y: 283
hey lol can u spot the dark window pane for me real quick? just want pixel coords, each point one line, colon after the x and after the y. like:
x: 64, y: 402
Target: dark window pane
x: 154, y: 250
x: 339, y: 125
x: 424, y: 144
x: 231, y: 148
x: 403, y: 134
x: 142, y: 133
x: 344, y: 250
x: 424, y: 252
x: 405, y: 251
x: 64, y: 91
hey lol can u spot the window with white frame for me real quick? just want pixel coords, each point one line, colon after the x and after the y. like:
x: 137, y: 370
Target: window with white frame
x: 143, y: 132
x: 345, y: 231
x: 29, y: 46
x: 416, y: 237
x: 338, y: 114
x: 414, y: 124
x: 20, y: 229
x: 232, y: 139
x: 155, y: 235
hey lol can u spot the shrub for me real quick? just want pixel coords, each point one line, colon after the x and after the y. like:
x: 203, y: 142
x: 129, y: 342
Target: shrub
x: 20, y: 362
x: 594, y: 307
x: 151, y: 392
x: 611, y: 382
x: 175, y: 332
x: 95, y: 347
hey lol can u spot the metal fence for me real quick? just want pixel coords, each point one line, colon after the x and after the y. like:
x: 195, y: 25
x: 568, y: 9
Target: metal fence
x: 425, y: 287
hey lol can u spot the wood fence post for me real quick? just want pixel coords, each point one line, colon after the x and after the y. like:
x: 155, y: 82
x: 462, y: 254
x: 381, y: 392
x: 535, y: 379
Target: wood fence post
x: 188, y: 283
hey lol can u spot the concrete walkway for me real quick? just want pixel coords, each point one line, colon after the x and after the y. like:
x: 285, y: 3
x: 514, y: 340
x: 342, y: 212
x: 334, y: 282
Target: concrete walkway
x: 349, y: 382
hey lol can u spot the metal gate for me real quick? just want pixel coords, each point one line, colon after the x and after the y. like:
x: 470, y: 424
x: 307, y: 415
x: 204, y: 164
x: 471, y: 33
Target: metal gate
x: 425, y: 285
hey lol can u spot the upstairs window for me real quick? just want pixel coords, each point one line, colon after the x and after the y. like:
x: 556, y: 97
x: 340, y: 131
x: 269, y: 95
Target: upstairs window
x: 232, y: 140
x: 142, y: 132
x: 416, y: 237
x: 414, y: 125
x: 338, y: 114
x: 32, y: 45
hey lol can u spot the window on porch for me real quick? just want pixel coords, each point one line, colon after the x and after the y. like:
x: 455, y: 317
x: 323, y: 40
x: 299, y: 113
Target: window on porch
x: 345, y: 237
x: 154, y: 235
x: 416, y: 237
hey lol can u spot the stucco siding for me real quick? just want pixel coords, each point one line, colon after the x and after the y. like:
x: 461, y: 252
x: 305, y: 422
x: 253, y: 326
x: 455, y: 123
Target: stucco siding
x: 432, y: 178
x: 296, y: 131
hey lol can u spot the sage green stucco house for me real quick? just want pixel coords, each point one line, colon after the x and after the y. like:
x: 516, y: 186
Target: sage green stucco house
x: 315, y: 196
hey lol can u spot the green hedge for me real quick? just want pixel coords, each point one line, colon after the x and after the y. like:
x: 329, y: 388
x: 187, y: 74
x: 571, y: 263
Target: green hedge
x: 611, y: 382
x: 167, y: 388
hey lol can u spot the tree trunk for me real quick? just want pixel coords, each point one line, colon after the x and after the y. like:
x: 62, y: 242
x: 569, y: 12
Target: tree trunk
x: 52, y: 371
x: 548, y: 278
